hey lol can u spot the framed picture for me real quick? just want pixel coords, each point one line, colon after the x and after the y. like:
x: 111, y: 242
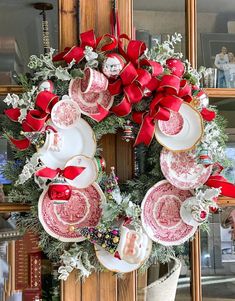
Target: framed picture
x: 218, y: 51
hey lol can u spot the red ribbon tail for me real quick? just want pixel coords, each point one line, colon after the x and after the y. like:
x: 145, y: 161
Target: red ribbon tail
x: 101, y: 115
x: 146, y: 131
x: 217, y: 181
x: 13, y: 114
x: 208, y: 115
x: 21, y: 144
x: 71, y: 172
x: 123, y: 108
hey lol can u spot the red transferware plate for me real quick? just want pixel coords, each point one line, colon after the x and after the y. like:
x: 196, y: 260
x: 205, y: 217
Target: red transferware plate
x: 161, y: 214
x: 88, y: 102
x: 182, y: 169
x: 62, y: 221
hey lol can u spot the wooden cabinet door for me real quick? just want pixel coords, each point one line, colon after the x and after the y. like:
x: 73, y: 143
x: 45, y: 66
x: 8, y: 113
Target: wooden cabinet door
x: 96, y: 14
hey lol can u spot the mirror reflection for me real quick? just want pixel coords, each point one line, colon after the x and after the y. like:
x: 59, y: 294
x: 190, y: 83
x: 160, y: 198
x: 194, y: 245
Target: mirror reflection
x: 22, y: 33
x: 216, y: 46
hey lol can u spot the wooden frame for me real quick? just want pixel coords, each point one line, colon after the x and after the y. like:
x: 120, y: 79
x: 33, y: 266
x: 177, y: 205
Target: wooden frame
x: 105, y: 286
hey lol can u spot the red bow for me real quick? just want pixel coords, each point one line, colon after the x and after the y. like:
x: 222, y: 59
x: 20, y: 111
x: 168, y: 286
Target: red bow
x: 104, y: 43
x: 134, y: 79
x: 69, y: 172
x: 35, y: 119
x: 160, y: 108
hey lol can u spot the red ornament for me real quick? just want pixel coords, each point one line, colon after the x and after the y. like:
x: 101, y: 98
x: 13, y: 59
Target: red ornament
x: 176, y: 66
x: 101, y: 164
x: 59, y: 192
x: 213, y: 209
x: 203, y: 214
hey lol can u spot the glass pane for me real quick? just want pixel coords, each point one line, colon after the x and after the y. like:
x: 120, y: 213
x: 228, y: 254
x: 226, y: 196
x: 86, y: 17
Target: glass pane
x: 156, y: 19
x: 218, y: 258
x: 216, y: 46
x: 21, y: 35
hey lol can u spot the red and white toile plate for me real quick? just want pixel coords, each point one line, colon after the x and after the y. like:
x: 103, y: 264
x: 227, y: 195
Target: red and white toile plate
x: 89, y: 174
x: 160, y: 214
x: 82, y: 210
x: 189, y: 133
x: 88, y: 102
x: 182, y: 170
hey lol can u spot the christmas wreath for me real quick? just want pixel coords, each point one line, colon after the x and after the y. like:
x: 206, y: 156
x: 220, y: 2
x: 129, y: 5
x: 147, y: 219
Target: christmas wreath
x: 83, y: 218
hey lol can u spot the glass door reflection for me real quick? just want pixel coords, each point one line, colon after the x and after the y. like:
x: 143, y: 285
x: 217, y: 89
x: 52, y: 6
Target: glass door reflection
x: 218, y: 257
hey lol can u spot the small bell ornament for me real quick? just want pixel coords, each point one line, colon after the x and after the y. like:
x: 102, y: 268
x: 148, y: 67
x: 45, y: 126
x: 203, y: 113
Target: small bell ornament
x: 128, y: 134
x: 204, y: 157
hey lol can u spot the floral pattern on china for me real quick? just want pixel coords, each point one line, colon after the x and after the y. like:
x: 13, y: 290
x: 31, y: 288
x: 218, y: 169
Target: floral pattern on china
x: 88, y: 102
x: 182, y: 170
x: 65, y: 114
x: 161, y: 214
x: 83, y: 209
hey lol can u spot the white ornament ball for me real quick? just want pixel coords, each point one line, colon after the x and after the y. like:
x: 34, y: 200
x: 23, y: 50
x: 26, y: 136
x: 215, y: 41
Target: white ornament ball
x: 46, y: 85
x: 113, y: 65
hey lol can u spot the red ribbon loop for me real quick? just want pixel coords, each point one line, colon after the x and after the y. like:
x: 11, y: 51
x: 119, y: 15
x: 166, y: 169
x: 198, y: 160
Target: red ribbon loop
x: 128, y: 74
x: 36, y: 120
x: 185, y: 91
x: 135, y: 49
x: 156, y: 68
x: 87, y: 38
x: 123, y: 108
x: 21, y: 144
x: 45, y: 100
x: 69, y: 172
x: 104, y: 43
x: 160, y: 109
x: 170, y: 84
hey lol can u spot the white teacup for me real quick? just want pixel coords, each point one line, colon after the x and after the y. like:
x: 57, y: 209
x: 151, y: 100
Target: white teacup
x: 134, y: 247
x: 53, y: 142
x: 193, y: 212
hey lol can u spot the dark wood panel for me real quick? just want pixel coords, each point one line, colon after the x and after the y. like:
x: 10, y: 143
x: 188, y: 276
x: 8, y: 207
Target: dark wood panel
x: 124, y: 158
